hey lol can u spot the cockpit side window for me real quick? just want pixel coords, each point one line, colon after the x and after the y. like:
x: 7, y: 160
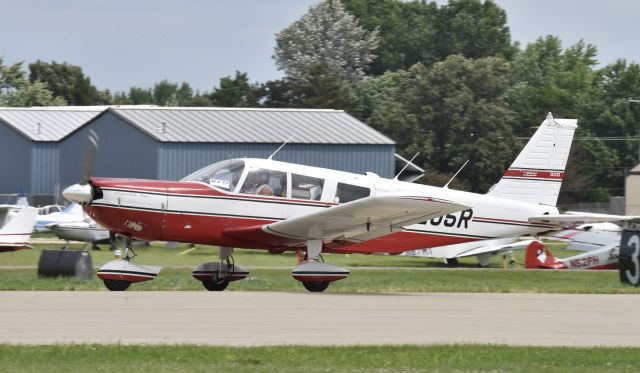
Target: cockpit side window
x: 223, y: 175
x: 265, y: 183
x: 347, y: 193
x: 306, y: 187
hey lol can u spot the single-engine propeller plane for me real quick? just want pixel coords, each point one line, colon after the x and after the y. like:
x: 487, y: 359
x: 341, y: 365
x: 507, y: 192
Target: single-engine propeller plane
x: 277, y: 206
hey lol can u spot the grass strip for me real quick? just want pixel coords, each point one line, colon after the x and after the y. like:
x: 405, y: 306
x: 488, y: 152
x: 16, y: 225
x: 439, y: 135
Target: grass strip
x: 441, y: 358
x: 361, y: 280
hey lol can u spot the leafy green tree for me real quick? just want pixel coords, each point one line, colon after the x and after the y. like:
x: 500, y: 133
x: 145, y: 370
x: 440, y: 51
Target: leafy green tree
x: 164, y: 93
x: 16, y: 90
x: 329, y: 36
x: 236, y: 92
x: 407, y: 32
x: 321, y: 90
x: 69, y: 82
x: 276, y: 94
x: 546, y: 77
x: 474, y: 29
x: 450, y: 113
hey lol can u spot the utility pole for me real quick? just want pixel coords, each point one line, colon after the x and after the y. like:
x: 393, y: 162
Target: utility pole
x: 634, y: 101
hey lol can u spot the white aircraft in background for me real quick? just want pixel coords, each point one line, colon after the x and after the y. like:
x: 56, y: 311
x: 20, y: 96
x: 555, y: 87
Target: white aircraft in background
x: 72, y: 224
x: 16, y: 227
x: 538, y: 256
x: 85, y: 230
x: 277, y: 206
x: 72, y: 213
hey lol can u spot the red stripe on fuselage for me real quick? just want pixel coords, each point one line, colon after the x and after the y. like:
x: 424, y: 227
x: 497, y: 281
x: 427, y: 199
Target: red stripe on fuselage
x: 247, y: 233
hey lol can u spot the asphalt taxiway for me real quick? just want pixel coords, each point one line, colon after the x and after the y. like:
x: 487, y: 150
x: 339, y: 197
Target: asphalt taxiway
x: 272, y: 318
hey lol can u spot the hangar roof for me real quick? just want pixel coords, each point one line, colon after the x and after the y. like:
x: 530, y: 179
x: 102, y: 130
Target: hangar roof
x: 48, y: 123
x: 201, y: 124
x: 171, y: 124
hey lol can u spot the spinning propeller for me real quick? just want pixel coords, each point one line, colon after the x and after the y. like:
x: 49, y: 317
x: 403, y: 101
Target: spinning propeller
x: 82, y: 193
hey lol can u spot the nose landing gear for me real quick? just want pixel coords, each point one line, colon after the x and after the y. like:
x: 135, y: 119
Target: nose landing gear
x: 119, y: 274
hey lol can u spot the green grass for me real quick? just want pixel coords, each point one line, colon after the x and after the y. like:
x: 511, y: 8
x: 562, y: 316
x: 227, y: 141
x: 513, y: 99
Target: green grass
x: 361, y: 280
x: 369, y: 273
x: 445, y: 358
x: 182, y: 256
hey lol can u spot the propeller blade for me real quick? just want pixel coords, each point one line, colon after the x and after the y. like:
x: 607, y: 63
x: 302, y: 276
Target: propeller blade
x: 92, y: 148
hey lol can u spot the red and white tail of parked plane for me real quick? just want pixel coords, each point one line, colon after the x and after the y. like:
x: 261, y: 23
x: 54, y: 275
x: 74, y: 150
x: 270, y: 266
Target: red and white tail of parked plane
x: 277, y: 206
x: 16, y: 226
x: 538, y: 256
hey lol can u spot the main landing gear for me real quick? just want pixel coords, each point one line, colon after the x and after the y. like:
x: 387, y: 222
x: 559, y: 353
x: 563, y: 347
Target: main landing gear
x: 119, y: 274
x: 215, y: 276
x: 314, y: 275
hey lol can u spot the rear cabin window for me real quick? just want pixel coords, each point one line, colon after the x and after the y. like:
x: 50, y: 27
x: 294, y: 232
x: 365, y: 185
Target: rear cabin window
x: 306, y: 187
x: 265, y: 183
x: 347, y: 193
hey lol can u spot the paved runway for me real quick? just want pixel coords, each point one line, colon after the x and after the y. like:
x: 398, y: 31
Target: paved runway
x: 267, y: 318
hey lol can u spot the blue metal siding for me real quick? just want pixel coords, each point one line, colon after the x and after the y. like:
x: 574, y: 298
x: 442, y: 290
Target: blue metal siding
x: 123, y: 151
x: 15, y: 161
x: 176, y: 160
x: 45, y: 167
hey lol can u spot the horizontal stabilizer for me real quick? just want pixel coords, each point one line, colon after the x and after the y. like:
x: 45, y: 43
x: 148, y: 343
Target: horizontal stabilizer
x: 580, y: 216
x: 494, y: 249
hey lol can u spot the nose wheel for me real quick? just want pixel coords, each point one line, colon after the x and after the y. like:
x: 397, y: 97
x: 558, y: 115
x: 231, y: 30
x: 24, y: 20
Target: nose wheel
x: 119, y: 274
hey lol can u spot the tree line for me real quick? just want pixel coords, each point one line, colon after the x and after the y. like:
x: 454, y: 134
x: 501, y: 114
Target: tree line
x: 446, y: 81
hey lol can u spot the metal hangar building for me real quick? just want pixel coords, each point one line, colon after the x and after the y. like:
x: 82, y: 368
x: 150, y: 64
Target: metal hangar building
x: 42, y: 149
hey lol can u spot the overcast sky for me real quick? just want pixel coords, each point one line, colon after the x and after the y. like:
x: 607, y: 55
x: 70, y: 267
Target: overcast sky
x: 124, y: 43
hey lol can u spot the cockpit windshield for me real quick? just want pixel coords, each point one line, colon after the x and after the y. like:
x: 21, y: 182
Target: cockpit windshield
x: 223, y: 175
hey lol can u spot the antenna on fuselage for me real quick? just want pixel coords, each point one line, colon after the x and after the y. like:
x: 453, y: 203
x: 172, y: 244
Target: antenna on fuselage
x: 405, y: 167
x: 446, y: 186
x: 281, y: 146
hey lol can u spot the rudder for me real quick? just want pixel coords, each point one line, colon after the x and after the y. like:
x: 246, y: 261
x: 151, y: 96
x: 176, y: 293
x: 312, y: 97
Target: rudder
x: 537, y: 173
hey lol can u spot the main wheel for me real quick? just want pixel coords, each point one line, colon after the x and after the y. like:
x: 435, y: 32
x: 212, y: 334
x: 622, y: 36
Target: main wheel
x: 452, y: 262
x: 116, y: 285
x: 316, y: 286
x: 215, y: 286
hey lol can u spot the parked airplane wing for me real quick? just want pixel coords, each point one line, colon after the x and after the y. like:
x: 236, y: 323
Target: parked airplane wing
x: 16, y: 233
x: 580, y: 216
x: 585, y: 240
x: 356, y: 221
x: 494, y: 249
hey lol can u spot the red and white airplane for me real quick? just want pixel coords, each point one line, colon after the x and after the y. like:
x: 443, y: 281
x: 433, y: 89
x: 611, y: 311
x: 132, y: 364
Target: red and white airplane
x: 538, y: 256
x: 277, y: 206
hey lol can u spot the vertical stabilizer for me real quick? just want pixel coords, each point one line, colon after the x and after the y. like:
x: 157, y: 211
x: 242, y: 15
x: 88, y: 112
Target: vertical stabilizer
x: 537, y: 174
x: 538, y: 256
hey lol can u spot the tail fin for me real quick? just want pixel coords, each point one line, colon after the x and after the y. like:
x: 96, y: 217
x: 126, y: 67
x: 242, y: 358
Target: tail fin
x: 537, y: 174
x: 17, y: 233
x: 538, y: 256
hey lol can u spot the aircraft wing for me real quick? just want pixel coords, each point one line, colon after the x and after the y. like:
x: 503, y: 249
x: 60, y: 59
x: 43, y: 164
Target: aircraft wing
x: 491, y: 246
x: 494, y: 249
x: 580, y: 216
x: 355, y: 221
x: 585, y: 240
